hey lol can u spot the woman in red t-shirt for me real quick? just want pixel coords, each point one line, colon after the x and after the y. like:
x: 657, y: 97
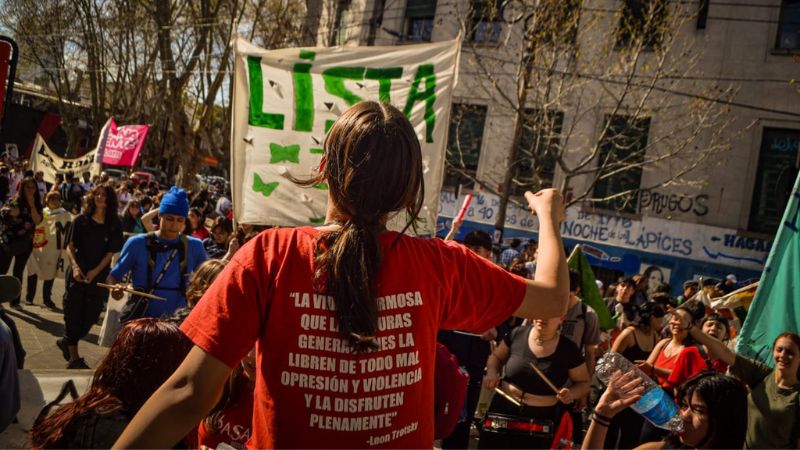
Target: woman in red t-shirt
x: 662, y: 359
x: 695, y: 359
x: 197, y: 221
x: 345, y: 316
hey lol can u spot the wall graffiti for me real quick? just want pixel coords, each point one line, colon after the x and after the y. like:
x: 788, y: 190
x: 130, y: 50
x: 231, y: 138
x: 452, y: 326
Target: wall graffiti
x: 658, y: 203
x: 650, y: 234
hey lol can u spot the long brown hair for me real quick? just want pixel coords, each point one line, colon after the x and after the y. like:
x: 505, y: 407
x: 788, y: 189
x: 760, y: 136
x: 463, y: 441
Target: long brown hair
x: 20, y: 195
x: 373, y: 167
x: 145, y: 353
x: 112, y: 204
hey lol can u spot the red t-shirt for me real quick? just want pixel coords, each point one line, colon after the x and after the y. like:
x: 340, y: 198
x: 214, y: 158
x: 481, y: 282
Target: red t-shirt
x: 200, y: 233
x: 311, y: 390
x: 690, y: 363
x: 233, y: 425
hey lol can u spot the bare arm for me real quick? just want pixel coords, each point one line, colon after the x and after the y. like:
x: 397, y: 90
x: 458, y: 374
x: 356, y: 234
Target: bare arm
x: 547, y: 295
x: 178, y: 405
x: 624, y: 341
x: 649, y: 367
x: 716, y: 349
x: 590, y: 358
x: 453, y: 231
x: 580, y: 383
x: 623, y: 390
x: 495, y: 364
x: 147, y: 219
x: 76, y: 269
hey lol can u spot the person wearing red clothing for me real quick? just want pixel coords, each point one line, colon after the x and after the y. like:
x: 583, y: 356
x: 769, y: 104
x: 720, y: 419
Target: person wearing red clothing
x: 231, y: 419
x: 198, y: 222
x: 344, y: 316
x: 694, y: 359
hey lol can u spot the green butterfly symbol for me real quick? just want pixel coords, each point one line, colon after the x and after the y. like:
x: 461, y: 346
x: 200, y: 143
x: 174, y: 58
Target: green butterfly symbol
x: 264, y: 189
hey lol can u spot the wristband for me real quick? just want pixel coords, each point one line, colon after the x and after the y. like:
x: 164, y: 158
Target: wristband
x: 602, y: 417
x: 598, y: 420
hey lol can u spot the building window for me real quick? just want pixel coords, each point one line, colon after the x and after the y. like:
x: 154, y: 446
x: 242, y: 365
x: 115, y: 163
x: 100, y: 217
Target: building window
x: 642, y: 21
x: 777, y: 170
x: 464, y: 144
x: 539, y: 145
x: 486, y: 22
x: 558, y: 22
x: 789, y: 26
x: 622, y: 146
x: 419, y: 20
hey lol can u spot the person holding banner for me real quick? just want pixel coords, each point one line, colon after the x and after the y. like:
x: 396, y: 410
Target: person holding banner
x: 20, y: 216
x: 49, y: 242
x: 96, y: 235
x: 354, y: 297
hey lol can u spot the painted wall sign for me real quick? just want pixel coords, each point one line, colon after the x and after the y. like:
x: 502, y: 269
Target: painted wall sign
x: 650, y: 234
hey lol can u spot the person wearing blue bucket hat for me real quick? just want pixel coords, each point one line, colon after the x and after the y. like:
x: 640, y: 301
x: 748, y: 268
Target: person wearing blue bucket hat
x: 159, y: 262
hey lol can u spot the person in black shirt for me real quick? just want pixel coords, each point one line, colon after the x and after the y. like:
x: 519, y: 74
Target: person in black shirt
x: 71, y: 193
x: 96, y: 236
x: 217, y: 244
x: 536, y: 403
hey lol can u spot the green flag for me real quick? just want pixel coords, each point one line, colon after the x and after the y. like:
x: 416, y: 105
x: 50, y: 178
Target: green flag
x: 589, y: 293
x: 776, y: 306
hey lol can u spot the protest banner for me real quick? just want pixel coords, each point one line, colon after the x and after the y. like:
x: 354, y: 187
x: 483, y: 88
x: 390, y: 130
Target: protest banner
x: 44, y: 159
x: 286, y: 100
x: 590, y: 294
x: 775, y: 308
x: 120, y: 146
x: 48, y: 259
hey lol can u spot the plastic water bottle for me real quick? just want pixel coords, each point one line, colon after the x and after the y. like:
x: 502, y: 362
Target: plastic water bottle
x: 655, y: 405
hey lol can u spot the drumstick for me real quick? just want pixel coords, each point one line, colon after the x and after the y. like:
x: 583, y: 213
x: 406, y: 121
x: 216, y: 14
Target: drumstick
x: 544, y: 377
x: 508, y: 397
x: 131, y: 291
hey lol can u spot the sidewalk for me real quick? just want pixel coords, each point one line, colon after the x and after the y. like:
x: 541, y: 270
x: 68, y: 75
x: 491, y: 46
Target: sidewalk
x: 45, y: 369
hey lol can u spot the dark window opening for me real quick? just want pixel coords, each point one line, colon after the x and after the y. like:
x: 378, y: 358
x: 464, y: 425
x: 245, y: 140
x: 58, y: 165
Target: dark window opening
x: 622, y: 150
x: 777, y: 170
x: 464, y: 144
x: 538, y: 149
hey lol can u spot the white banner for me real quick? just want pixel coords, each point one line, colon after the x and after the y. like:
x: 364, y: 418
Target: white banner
x: 42, y: 158
x: 286, y: 100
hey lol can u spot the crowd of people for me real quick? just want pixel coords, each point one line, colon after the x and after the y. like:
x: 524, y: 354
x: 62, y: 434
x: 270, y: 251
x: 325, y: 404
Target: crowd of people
x: 282, y: 342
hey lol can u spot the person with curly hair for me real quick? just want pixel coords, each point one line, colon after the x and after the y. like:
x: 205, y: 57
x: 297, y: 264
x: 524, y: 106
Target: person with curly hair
x: 145, y: 353
x: 96, y: 235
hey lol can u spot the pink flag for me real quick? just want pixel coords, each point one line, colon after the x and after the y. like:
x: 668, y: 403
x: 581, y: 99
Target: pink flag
x: 120, y: 146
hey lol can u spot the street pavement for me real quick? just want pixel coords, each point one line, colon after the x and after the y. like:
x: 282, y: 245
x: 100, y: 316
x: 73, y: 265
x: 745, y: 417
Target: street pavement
x: 45, y: 369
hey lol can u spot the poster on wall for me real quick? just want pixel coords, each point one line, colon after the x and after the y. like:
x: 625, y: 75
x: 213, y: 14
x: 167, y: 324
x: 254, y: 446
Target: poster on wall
x: 286, y: 100
x: 655, y: 276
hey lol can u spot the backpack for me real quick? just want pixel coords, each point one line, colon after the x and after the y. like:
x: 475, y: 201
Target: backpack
x: 154, y: 247
x: 450, y: 392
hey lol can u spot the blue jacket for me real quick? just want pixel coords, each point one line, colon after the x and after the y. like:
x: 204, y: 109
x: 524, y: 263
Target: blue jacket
x: 133, y: 259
